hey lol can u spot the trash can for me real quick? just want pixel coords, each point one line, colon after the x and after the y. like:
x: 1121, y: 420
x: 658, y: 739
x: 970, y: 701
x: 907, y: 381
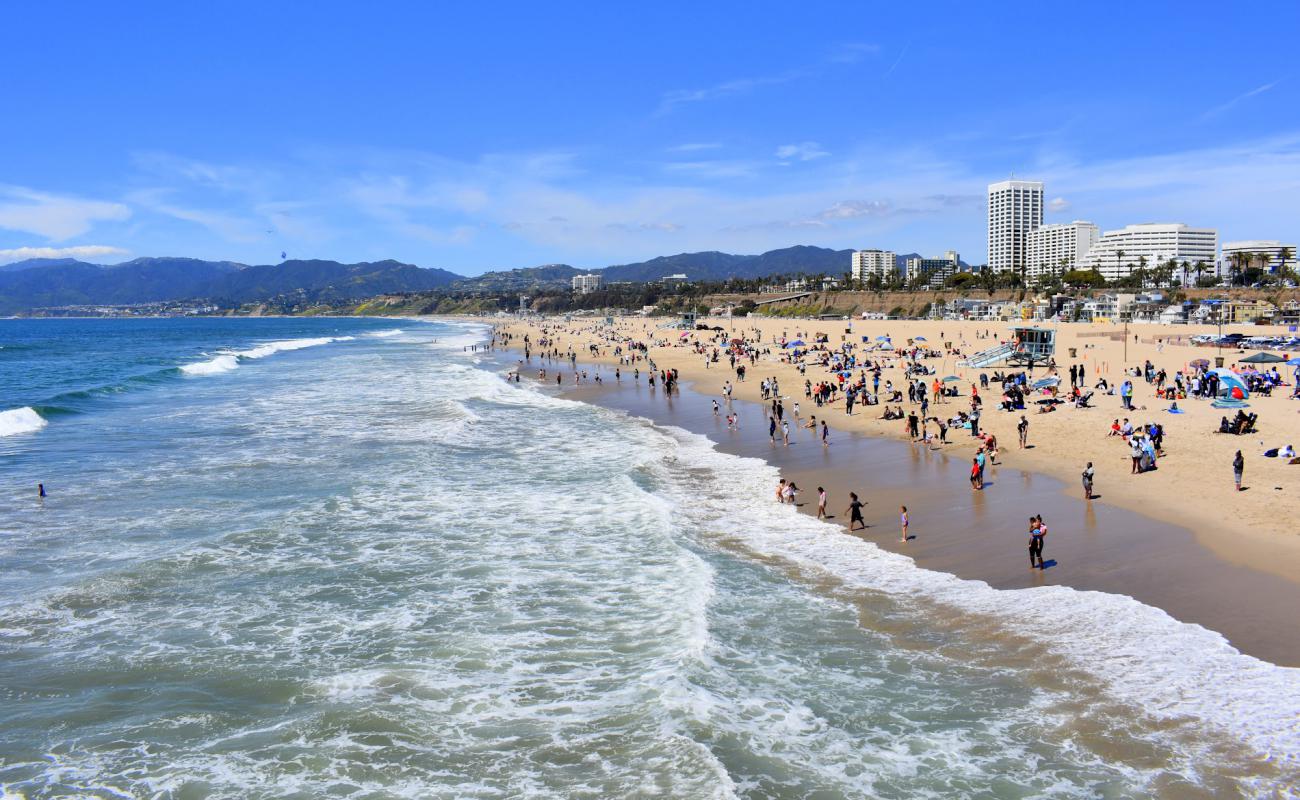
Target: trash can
x: 1218, y: 362
x: 1074, y: 353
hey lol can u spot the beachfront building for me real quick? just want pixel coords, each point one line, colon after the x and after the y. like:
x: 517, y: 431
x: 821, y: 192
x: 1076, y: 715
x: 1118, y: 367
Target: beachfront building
x: 1052, y: 249
x: 932, y: 270
x: 1015, y: 209
x: 1248, y: 311
x: 1266, y: 254
x: 1117, y: 254
x: 586, y: 284
x: 881, y: 263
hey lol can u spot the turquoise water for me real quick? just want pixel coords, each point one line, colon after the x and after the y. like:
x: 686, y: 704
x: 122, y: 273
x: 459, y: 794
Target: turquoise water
x: 343, y: 558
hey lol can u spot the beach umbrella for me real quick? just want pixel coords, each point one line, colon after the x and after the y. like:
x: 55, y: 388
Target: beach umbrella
x: 882, y: 338
x: 1295, y: 362
x: 886, y: 346
x: 1043, y: 383
x: 1263, y: 358
x: 795, y: 343
x: 1199, y: 362
x: 920, y: 339
x: 952, y: 379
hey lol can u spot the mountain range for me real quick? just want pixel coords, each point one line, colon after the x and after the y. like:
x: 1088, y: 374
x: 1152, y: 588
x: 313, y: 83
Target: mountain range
x: 42, y: 283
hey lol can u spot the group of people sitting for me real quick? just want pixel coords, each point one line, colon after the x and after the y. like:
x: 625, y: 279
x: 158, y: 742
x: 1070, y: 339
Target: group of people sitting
x: 1242, y: 423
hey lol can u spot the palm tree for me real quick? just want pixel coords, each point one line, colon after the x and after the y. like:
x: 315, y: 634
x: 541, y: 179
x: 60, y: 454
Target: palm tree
x: 1237, y: 260
x: 1201, y: 268
x: 1142, y: 272
x: 1119, y: 261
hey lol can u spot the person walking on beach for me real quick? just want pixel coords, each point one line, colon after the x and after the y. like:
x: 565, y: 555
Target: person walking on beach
x: 1238, y: 467
x: 855, y: 511
x: 1088, y: 473
x: 826, y: 433
x: 902, y: 519
x: 975, y: 476
x: 1023, y: 428
x: 821, y: 503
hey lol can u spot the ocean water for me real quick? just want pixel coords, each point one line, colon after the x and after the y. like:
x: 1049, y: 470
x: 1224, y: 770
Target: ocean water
x: 344, y: 558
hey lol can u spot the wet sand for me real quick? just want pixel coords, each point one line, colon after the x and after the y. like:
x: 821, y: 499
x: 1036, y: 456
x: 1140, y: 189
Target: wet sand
x: 983, y: 535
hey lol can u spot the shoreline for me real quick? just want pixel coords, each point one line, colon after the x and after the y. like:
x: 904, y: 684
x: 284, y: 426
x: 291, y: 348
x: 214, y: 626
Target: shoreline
x: 1093, y: 546
x: 1241, y: 529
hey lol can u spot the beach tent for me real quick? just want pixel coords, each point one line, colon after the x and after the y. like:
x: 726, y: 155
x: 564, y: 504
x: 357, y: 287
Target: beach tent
x: 795, y: 343
x: 1229, y: 382
x: 1263, y: 358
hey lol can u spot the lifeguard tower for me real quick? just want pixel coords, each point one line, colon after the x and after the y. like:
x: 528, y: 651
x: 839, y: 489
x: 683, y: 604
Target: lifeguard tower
x: 1029, y: 346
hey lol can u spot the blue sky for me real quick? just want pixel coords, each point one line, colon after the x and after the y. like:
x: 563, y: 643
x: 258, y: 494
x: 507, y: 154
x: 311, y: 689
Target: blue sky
x: 502, y: 135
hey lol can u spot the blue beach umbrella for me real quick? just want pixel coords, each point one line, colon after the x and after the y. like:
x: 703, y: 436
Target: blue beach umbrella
x: 882, y: 338
x: 921, y: 339
x: 795, y: 343
x: 1295, y: 362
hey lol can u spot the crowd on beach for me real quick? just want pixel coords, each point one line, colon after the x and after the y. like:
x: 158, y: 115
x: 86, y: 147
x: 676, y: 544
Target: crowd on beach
x: 905, y: 381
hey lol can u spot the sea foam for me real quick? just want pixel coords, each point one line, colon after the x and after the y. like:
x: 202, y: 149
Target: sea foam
x: 1172, y: 670
x: 20, y: 420
x: 225, y: 362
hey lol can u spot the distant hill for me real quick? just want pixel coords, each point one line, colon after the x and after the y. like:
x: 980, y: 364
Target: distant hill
x: 703, y: 266
x: 39, y: 283
x: 26, y: 285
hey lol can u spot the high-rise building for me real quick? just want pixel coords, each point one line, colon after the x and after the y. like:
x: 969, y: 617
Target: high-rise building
x: 1048, y: 247
x: 586, y: 284
x: 934, y: 270
x: 866, y: 263
x: 1258, y: 253
x: 1118, y: 253
x: 1015, y: 209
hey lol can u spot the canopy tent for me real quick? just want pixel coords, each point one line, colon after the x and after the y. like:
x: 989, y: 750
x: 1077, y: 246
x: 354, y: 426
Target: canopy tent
x: 1230, y: 383
x: 1263, y: 358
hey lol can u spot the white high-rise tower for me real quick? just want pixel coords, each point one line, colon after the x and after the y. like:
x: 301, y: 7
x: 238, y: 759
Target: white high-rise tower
x: 1015, y: 209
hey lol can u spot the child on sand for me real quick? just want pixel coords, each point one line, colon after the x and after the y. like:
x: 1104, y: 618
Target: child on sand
x: 855, y: 511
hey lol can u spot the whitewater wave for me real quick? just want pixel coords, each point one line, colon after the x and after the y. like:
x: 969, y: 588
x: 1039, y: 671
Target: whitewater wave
x: 385, y: 334
x: 225, y: 362
x: 1170, y: 669
x: 475, y: 333
x: 20, y: 420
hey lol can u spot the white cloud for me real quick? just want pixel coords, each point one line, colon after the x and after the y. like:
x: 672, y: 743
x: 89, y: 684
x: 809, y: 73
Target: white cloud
x: 802, y: 151
x: 79, y: 252
x: 56, y: 217
x: 857, y: 208
x: 694, y: 147
x: 1058, y: 204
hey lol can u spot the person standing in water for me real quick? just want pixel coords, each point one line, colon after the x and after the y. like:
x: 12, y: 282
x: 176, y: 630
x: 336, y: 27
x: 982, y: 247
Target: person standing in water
x: 855, y: 511
x: 826, y: 432
x: 902, y: 519
x: 821, y: 503
x: 1088, y: 473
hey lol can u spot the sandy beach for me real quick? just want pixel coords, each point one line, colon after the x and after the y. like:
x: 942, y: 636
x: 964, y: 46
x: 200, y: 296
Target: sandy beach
x: 1195, y: 546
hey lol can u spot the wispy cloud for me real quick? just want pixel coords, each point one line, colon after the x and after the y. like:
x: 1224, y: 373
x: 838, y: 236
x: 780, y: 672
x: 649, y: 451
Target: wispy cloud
x: 79, y: 252
x: 1220, y: 109
x: 898, y: 60
x: 802, y: 151
x: 840, y: 55
x: 56, y: 217
x: 694, y: 147
x: 1058, y: 204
